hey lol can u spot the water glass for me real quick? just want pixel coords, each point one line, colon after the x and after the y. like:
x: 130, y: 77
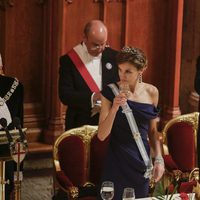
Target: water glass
x: 107, y: 190
x: 128, y: 194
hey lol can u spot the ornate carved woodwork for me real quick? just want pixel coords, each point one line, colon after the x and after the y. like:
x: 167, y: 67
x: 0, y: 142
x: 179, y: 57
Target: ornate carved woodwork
x: 41, y: 2
x: 6, y: 3
x: 32, y: 45
x: 109, y: 1
x: 69, y: 1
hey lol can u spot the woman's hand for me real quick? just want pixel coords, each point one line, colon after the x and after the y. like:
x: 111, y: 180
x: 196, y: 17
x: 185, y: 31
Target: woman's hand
x: 158, y: 171
x: 119, y: 100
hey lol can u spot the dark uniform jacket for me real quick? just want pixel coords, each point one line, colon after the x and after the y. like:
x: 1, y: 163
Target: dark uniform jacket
x: 15, y: 106
x: 74, y: 92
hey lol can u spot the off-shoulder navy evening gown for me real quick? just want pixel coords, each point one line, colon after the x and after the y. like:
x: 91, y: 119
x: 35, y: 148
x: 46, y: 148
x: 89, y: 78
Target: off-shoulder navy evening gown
x: 124, y: 164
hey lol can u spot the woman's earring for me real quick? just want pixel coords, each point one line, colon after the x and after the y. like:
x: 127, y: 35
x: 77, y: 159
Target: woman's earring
x: 140, y: 78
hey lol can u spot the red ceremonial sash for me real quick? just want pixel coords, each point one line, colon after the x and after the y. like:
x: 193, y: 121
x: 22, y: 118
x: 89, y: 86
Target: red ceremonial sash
x: 83, y: 70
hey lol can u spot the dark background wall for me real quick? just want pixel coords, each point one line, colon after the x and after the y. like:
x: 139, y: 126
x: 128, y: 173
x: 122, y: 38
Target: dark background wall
x: 190, y: 51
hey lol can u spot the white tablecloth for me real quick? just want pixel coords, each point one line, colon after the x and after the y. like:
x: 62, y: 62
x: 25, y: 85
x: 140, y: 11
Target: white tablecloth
x: 175, y: 196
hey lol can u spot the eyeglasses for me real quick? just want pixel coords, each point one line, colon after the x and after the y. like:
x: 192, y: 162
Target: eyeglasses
x: 100, y: 46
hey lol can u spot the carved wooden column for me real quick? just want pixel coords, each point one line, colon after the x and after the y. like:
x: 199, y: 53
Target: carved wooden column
x: 171, y: 73
x: 53, y: 106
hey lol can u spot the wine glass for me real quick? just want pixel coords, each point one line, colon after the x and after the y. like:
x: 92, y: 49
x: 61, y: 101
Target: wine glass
x: 124, y: 88
x: 129, y: 194
x: 107, y: 190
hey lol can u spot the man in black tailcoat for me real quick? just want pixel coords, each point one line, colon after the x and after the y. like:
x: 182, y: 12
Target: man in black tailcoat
x: 84, y: 71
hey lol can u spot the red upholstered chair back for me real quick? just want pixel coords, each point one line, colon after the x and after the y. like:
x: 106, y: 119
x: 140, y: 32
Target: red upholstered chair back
x: 181, y: 144
x: 180, y: 152
x: 97, y: 155
x: 180, y: 136
x: 72, y: 156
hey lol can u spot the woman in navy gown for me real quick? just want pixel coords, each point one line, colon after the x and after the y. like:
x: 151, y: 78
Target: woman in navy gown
x: 124, y: 164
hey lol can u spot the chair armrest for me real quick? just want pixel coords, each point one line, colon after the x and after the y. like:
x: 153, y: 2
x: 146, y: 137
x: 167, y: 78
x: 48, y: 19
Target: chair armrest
x: 169, y: 163
x: 63, y: 180
x: 67, y: 185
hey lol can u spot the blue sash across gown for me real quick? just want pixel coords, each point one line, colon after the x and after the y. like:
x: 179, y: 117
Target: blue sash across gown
x: 123, y: 164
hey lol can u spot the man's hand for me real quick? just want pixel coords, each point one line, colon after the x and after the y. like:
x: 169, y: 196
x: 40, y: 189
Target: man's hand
x: 96, y: 97
x: 96, y: 109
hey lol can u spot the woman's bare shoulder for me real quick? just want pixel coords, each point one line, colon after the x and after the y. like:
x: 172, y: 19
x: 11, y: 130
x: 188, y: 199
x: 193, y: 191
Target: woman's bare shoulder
x: 152, y: 92
x: 151, y: 89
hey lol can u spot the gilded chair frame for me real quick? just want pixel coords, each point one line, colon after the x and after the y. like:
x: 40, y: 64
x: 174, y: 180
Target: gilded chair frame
x: 193, y: 119
x: 86, y: 133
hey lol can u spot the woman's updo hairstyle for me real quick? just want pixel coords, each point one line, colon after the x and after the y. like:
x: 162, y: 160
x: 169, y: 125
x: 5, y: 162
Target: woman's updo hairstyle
x: 133, y: 56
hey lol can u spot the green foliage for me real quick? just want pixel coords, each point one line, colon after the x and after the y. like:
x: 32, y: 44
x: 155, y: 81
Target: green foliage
x: 159, y: 190
x: 160, y: 193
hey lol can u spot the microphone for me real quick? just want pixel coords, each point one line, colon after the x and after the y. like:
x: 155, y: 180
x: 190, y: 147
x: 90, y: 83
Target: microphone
x: 3, y: 123
x: 17, y: 124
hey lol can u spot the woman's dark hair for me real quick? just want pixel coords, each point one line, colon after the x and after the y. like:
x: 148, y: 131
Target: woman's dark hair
x: 133, y: 56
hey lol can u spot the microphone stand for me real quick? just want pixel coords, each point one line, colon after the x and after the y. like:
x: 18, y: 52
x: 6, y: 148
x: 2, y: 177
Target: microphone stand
x: 17, y: 157
x: 18, y: 149
x: 18, y: 154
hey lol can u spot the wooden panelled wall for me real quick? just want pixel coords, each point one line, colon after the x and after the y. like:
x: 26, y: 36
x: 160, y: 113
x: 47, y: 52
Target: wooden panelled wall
x: 35, y: 33
x: 190, y: 51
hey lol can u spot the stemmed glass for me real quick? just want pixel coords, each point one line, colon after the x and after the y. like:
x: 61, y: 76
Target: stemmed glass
x: 124, y: 88
x: 128, y: 194
x: 107, y: 190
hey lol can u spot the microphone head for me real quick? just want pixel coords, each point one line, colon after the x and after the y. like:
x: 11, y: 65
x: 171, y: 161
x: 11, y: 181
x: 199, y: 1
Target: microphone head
x: 16, y: 122
x: 3, y: 122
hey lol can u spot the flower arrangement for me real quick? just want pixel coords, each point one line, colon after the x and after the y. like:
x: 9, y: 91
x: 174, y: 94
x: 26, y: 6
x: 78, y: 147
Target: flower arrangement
x: 161, y: 194
x: 171, y: 193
